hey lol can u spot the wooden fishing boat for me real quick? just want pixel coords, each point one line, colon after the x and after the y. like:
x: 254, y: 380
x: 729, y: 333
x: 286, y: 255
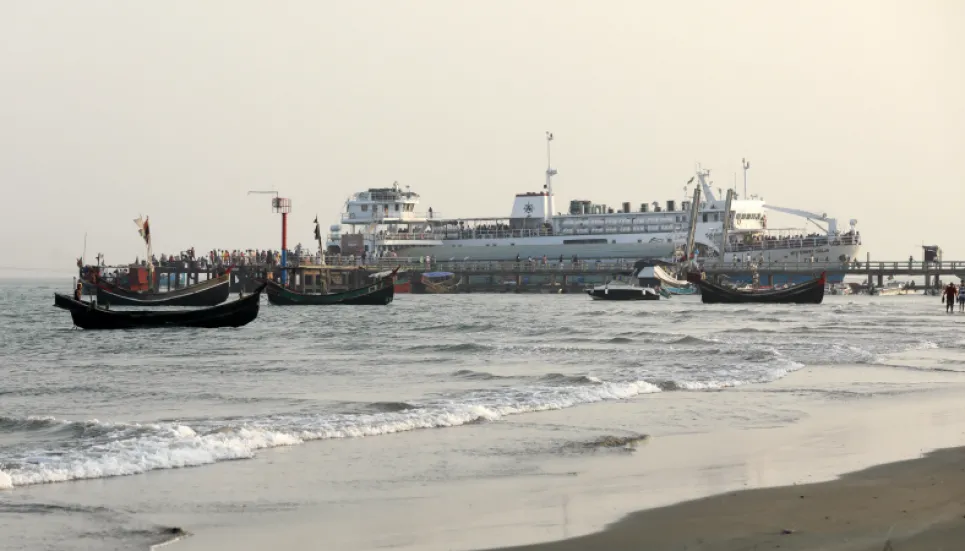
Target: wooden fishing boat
x: 88, y: 315
x: 809, y: 292
x: 379, y: 293
x: 207, y: 293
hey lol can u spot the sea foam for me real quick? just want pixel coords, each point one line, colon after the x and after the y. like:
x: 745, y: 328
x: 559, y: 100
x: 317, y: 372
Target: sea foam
x: 132, y: 448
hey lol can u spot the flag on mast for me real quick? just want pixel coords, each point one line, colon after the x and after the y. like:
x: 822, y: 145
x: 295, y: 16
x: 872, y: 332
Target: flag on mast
x: 144, y: 228
x: 318, y: 233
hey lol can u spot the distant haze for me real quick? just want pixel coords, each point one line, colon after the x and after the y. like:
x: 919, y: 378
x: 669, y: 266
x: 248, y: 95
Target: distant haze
x: 176, y: 109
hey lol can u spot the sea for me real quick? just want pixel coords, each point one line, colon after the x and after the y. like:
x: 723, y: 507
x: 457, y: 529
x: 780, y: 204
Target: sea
x: 121, y: 406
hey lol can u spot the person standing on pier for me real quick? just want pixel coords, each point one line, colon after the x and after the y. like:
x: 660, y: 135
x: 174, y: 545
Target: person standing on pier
x: 949, y: 298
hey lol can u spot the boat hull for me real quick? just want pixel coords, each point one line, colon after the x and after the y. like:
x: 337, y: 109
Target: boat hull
x: 811, y: 292
x: 622, y: 294
x: 207, y: 293
x: 779, y: 279
x: 378, y: 294
x: 233, y: 314
x: 679, y: 290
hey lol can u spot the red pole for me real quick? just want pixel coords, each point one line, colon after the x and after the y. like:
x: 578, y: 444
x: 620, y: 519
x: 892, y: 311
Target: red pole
x: 284, y: 247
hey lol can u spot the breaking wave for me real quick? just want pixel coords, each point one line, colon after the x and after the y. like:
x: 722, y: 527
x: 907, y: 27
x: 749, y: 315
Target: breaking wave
x: 118, y: 449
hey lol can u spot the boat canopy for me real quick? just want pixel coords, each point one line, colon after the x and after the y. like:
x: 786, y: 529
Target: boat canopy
x: 380, y: 275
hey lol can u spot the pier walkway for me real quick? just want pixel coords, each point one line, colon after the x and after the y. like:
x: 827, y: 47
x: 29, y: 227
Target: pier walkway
x: 526, y: 275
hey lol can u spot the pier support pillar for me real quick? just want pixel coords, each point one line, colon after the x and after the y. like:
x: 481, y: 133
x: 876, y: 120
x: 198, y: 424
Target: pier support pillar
x: 881, y: 279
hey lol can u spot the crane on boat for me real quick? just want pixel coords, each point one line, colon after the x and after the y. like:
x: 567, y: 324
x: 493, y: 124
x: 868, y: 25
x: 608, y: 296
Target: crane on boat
x: 831, y: 224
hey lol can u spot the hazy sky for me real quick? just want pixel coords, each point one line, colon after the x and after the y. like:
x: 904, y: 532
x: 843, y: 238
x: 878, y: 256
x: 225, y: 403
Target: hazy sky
x: 176, y: 109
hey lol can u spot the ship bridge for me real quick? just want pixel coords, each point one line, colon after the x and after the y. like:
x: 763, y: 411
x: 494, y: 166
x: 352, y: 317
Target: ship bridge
x: 391, y: 205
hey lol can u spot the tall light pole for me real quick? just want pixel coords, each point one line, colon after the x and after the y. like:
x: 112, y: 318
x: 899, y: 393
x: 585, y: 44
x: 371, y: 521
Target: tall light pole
x: 280, y: 205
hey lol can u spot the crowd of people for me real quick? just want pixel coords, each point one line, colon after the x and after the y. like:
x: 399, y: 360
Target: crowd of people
x: 760, y: 241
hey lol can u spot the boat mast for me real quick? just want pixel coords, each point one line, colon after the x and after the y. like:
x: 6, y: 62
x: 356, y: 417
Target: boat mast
x: 550, y: 172
x: 726, y: 225
x: 694, y: 208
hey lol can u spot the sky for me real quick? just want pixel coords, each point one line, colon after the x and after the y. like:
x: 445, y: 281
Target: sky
x: 177, y: 109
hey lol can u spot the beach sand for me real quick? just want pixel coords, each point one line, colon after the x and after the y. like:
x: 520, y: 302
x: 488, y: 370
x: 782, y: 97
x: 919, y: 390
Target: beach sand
x: 912, y: 505
x: 810, y: 427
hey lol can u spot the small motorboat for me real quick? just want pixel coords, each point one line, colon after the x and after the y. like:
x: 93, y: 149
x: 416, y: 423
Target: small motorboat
x: 616, y: 290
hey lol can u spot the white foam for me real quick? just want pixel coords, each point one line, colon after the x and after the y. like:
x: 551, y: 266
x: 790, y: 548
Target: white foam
x: 169, y: 446
x: 6, y: 482
x: 767, y: 377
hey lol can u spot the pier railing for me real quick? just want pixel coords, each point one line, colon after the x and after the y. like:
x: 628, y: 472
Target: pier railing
x: 604, y: 265
x: 858, y: 268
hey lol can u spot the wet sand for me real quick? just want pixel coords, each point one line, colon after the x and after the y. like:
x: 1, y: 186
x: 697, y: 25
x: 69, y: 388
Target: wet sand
x: 911, y: 505
x: 787, y: 437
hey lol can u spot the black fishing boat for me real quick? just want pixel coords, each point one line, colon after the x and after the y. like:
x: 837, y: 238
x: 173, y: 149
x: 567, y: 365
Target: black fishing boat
x: 809, y: 292
x: 622, y: 291
x: 89, y: 315
x: 207, y: 293
x: 379, y: 293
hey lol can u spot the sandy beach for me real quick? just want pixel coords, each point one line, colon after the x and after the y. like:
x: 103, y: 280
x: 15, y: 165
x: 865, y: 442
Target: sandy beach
x: 917, y: 504
x: 788, y: 436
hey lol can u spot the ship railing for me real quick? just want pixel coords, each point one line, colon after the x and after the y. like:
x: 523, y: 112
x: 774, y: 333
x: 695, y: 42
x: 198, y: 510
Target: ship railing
x: 453, y: 234
x: 376, y: 216
x: 536, y: 265
x: 415, y: 236
x: 457, y: 234
x: 795, y: 243
x: 851, y: 266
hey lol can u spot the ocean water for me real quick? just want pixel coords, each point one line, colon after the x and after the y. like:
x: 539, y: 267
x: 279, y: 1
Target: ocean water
x: 78, y: 405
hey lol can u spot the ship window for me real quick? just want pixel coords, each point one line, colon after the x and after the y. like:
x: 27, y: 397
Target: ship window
x: 365, y: 208
x: 396, y: 207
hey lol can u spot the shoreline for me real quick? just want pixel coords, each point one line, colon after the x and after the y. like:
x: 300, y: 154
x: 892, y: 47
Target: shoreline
x: 838, y: 420
x: 912, y: 504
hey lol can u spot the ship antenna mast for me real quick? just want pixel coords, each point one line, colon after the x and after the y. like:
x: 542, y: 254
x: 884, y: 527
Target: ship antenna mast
x: 745, y: 165
x: 550, y: 171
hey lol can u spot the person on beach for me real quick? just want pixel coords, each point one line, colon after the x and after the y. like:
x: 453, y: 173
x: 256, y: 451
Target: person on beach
x: 949, y: 298
x: 961, y: 298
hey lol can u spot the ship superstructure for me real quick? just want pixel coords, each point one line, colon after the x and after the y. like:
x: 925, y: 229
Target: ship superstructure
x: 388, y: 221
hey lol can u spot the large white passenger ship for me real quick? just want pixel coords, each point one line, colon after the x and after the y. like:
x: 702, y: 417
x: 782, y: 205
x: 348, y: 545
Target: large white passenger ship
x: 389, y: 222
